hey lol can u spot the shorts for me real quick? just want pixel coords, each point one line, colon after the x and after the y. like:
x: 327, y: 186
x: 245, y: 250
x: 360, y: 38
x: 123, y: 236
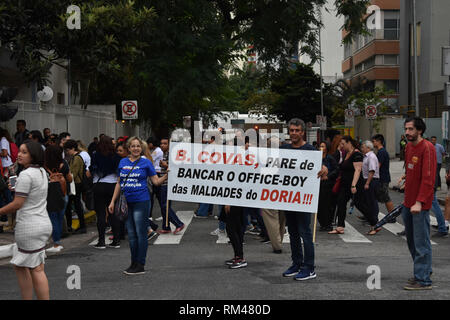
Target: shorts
x: 382, y: 193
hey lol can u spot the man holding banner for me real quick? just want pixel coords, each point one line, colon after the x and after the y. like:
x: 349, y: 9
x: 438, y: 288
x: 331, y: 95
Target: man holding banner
x: 254, y: 177
x: 299, y: 222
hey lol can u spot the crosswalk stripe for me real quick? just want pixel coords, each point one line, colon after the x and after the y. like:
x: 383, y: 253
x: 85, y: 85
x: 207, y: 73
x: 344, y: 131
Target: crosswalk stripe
x: 397, y: 227
x: 352, y: 235
x: 170, y: 238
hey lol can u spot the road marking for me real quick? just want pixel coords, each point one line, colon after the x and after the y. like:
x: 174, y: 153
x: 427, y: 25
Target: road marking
x: 397, y: 227
x: 170, y: 238
x: 352, y: 235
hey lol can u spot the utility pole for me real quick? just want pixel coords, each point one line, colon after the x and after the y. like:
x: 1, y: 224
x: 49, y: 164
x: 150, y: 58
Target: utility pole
x: 416, y: 86
x: 322, y: 134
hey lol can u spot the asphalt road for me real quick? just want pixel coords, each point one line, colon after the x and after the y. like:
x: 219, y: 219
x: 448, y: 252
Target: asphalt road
x: 194, y: 268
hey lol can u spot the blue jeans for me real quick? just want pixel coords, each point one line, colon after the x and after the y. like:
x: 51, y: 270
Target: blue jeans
x: 439, y: 215
x: 222, y: 224
x: 137, y: 226
x: 57, y: 219
x: 417, y: 228
x: 298, y: 224
x: 162, y: 191
x: 204, y: 209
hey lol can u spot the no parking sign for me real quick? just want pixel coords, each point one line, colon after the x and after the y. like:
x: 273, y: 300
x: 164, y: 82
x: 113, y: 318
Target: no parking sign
x: 129, y: 109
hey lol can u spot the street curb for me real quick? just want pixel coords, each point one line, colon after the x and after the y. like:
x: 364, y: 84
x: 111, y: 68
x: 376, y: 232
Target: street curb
x: 6, y: 250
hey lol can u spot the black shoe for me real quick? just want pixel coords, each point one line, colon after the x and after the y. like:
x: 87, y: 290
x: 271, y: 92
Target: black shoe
x: 238, y: 263
x: 114, y: 244
x: 402, y: 233
x: 80, y: 231
x: 440, y: 235
x: 265, y: 240
x: 278, y: 251
x: 132, y: 266
x: 436, y: 227
x: 100, y: 246
x: 138, y: 269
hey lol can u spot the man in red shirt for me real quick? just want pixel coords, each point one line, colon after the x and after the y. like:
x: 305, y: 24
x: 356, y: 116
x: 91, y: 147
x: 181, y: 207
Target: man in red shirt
x: 420, y: 163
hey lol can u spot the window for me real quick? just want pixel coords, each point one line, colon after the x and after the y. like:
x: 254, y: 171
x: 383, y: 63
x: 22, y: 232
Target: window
x: 392, y: 85
x: 390, y: 59
x: 60, y: 98
x: 391, y: 25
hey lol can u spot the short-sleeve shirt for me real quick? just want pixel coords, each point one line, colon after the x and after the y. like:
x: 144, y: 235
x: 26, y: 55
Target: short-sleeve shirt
x: 383, y: 159
x: 6, y: 161
x: 135, y: 189
x: 370, y: 163
x: 347, y: 168
x: 439, y: 151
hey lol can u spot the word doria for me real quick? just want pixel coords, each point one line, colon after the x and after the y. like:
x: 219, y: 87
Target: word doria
x: 286, y: 196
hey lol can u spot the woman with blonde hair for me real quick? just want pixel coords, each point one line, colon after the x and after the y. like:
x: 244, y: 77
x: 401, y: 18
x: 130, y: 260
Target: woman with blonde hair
x: 133, y: 172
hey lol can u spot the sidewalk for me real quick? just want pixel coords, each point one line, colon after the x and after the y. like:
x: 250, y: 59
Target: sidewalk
x: 396, y: 169
x: 7, y: 237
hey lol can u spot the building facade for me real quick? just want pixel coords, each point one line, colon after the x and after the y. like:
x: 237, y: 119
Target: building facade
x: 433, y: 32
x: 374, y: 60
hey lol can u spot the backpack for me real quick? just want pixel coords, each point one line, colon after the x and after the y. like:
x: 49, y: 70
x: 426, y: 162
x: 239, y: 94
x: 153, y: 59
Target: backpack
x: 14, y: 151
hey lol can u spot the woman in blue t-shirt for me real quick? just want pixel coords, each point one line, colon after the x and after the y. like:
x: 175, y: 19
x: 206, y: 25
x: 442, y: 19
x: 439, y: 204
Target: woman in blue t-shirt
x: 133, y: 172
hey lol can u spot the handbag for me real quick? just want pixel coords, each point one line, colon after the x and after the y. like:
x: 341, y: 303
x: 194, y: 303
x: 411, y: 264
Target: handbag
x: 337, y: 185
x: 72, y: 188
x: 121, y: 206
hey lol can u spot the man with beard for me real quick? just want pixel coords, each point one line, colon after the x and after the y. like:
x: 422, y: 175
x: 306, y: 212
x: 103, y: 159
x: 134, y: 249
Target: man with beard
x: 420, y: 164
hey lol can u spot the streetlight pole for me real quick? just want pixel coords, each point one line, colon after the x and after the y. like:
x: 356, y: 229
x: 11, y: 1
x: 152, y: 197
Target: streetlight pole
x: 321, y: 77
x: 416, y: 86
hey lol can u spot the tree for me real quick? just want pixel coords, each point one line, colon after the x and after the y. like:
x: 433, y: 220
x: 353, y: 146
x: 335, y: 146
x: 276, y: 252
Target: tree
x: 299, y: 94
x: 171, y: 55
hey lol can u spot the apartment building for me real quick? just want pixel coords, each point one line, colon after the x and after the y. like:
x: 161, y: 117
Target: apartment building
x: 433, y: 32
x: 374, y: 59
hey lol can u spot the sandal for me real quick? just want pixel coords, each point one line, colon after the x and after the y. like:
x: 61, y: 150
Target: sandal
x: 373, y: 232
x: 337, y: 231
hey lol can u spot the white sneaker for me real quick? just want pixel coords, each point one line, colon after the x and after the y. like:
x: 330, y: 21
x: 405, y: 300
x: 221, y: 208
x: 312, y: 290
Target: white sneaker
x: 159, y: 219
x: 55, y: 249
x: 217, y: 232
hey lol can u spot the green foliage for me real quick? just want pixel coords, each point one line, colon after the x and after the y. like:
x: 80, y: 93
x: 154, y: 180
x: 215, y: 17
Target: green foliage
x: 170, y: 55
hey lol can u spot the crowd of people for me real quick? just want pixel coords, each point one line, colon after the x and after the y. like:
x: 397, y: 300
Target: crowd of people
x: 51, y: 174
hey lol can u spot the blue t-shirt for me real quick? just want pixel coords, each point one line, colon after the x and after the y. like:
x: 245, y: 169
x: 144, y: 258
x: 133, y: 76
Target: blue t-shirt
x: 383, y: 159
x: 135, y: 189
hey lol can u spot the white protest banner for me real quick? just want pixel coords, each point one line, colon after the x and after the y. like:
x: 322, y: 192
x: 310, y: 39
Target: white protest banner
x: 282, y: 179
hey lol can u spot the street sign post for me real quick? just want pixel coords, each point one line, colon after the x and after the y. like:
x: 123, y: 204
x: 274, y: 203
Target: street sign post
x: 129, y: 109
x: 371, y: 112
x: 349, y: 118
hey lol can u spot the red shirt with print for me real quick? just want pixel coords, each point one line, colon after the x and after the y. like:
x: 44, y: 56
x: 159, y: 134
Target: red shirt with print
x: 420, y: 163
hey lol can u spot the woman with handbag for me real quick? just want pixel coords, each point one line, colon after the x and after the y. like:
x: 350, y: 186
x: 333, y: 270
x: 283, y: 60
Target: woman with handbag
x: 351, y: 183
x: 104, y: 166
x: 55, y: 163
x: 132, y: 183
x: 33, y: 224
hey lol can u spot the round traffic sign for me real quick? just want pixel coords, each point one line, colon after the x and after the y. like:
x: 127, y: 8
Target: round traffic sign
x: 129, y: 108
x: 371, y: 111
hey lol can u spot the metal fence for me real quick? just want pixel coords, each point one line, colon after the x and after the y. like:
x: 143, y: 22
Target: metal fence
x: 81, y: 124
